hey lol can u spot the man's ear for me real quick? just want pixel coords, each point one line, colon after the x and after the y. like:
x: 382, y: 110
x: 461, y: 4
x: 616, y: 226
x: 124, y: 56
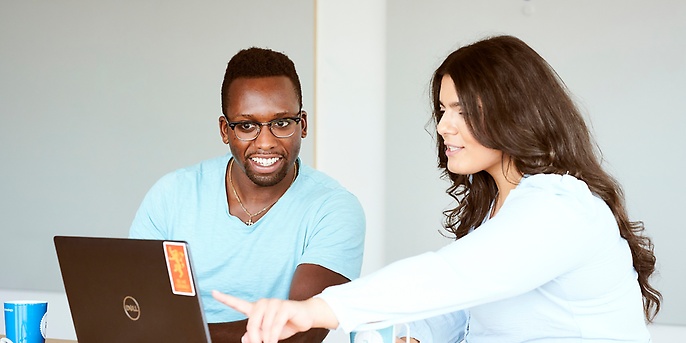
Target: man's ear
x: 224, y: 129
x: 303, y: 121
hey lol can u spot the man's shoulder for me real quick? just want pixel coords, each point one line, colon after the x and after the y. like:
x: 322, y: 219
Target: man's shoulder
x: 320, y: 181
x: 214, y: 164
x: 211, y: 165
x: 316, y: 188
x: 209, y: 169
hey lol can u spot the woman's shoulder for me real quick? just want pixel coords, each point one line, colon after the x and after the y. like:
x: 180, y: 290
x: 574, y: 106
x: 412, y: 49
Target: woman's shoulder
x: 556, y: 191
x: 562, y: 201
x: 554, y: 184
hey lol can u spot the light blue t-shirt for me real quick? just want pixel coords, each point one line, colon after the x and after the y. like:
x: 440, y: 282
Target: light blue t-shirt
x: 316, y: 222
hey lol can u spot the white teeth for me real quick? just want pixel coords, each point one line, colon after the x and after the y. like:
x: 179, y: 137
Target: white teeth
x: 265, y: 162
x: 452, y: 148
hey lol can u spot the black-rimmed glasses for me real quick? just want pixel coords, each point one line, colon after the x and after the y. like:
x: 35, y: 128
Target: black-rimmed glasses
x: 247, y: 130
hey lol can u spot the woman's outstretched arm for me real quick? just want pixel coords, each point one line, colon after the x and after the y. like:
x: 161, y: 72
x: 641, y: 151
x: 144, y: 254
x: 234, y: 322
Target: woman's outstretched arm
x: 271, y: 320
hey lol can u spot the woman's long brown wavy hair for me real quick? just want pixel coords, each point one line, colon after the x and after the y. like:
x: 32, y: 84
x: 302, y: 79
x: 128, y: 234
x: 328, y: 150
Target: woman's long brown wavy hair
x: 513, y: 101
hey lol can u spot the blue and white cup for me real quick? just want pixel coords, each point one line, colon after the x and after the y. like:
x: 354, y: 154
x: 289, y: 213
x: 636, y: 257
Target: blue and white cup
x: 377, y: 335
x: 25, y: 321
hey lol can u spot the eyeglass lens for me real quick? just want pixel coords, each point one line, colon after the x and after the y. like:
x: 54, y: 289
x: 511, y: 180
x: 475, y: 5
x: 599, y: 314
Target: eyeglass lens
x: 280, y: 128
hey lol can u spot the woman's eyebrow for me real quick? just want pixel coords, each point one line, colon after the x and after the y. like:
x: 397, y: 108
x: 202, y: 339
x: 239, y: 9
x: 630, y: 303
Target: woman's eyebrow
x: 455, y: 104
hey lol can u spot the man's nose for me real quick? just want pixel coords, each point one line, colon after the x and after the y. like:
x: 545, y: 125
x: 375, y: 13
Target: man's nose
x: 265, y: 138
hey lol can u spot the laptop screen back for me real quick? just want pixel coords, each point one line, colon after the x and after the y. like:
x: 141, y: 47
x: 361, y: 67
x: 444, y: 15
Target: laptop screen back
x: 130, y: 290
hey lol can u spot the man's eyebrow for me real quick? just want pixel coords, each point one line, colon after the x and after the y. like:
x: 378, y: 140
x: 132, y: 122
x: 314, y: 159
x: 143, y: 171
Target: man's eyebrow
x: 278, y: 114
x: 244, y: 115
x: 285, y: 113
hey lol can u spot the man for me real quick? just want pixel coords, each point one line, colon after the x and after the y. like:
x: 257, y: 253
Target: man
x: 259, y: 223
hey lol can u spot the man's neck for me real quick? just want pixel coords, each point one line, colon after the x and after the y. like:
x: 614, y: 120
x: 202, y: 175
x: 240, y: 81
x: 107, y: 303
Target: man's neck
x: 250, y: 201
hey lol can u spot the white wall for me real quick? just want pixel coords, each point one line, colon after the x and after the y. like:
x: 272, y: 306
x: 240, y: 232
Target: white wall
x: 619, y: 70
x: 607, y: 61
x: 99, y: 99
x: 623, y: 60
x: 350, y: 104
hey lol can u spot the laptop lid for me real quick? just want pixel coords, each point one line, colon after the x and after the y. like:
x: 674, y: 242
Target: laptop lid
x: 131, y: 290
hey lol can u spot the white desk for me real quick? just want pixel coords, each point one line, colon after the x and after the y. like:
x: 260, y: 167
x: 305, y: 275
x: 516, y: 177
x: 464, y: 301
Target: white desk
x: 51, y: 340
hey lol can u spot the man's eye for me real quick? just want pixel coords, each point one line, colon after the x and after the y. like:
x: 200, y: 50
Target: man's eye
x: 246, y: 126
x: 281, y: 123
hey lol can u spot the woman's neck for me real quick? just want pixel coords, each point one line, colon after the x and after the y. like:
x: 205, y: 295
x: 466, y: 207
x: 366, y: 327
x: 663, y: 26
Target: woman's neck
x: 506, y: 179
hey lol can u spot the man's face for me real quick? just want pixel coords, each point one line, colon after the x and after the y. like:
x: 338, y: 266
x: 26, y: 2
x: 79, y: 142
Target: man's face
x: 266, y: 159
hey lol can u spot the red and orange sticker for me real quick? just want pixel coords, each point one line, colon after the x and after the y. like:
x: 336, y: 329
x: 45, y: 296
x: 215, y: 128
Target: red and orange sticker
x: 179, y: 268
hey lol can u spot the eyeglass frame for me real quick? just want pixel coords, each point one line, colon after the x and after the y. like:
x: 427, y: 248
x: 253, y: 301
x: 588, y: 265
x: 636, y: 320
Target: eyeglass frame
x: 232, y: 125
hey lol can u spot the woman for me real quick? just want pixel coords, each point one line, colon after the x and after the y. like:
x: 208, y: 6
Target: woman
x: 544, y: 247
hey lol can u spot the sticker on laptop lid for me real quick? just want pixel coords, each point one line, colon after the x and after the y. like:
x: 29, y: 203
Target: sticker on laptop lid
x: 179, y: 268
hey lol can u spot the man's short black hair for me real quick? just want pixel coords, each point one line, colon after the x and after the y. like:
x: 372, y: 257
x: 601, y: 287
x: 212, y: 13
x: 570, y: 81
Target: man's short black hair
x: 258, y: 62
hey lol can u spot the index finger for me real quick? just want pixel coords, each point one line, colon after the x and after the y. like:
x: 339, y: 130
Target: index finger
x: 237, y: 304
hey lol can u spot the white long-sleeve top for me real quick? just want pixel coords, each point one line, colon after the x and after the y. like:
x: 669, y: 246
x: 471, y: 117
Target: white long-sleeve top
x: 549, y: 267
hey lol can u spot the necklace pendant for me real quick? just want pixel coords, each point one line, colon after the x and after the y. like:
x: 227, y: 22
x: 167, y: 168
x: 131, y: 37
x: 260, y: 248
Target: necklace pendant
x: 249, y: 222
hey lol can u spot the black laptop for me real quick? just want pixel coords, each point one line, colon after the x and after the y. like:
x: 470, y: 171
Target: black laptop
x: 131, y: 290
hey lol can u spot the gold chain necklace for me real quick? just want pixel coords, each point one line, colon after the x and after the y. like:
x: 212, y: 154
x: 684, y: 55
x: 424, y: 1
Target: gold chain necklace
x: 250, y: 215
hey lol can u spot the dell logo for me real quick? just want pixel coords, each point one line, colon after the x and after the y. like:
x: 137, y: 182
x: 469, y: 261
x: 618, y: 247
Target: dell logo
x: 131, y: 308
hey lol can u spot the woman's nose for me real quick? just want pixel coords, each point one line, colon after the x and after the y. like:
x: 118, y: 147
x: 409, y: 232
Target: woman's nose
x: 443, y: 127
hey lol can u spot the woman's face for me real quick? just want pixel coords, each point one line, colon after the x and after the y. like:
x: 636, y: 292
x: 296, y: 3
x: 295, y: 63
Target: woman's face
x: 465, y: 154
